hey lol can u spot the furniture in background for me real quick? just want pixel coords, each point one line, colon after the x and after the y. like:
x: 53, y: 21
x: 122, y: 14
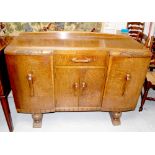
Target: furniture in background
x: 76, y: 71
x: 152, y: 49
x: 150, y: 77
x: 4, y: 82
x: 144, y: 39
x: 134, y: 29
x: 152, y: 44
x: 148, y: 84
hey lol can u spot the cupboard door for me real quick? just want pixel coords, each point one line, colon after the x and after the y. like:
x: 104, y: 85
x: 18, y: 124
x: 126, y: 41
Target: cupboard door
x: 66, y: 88
x: 124, y: 81
x: 32, y: 82
x: 92, y: 82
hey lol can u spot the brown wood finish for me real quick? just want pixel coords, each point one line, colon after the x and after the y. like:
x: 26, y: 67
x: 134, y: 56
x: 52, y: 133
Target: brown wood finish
x: 37, y: 97
x: 92, y: 83
x: 66, y: 88
x: 75, y: 71
x: 124, y: 74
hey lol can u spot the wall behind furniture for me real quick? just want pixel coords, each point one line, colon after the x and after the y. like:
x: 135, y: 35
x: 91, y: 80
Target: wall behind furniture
x: 14, y: 28
x: 113, y: 27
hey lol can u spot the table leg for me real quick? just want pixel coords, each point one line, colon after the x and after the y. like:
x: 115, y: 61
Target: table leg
x: 6, y: 109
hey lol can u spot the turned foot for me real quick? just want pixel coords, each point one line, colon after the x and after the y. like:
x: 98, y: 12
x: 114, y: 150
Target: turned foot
x: 115, y: 118
x: 37, y: 120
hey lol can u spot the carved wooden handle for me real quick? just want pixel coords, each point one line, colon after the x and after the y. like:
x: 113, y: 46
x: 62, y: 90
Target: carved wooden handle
x: 30, y: 81
x: 127, y: 78
x: 86, y: 60
x: 75, y: 87
x: 84, y: 85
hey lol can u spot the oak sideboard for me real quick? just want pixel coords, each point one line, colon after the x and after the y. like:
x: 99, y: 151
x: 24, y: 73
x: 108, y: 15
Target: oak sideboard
x: 75, y: 71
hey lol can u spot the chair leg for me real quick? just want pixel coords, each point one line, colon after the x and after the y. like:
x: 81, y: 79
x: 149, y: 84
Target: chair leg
x: 141, y: 95
x: 144, y: 97
x: 6, y: 109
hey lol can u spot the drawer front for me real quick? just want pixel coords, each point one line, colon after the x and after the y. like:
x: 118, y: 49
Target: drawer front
x: 82, y: 58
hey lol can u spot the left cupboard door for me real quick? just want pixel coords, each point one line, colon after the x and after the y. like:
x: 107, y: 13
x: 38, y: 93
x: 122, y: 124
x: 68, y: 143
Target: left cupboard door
x: 31, y: 79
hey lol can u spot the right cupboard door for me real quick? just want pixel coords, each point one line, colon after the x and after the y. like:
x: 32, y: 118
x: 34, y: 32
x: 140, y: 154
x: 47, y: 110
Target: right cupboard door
x: 124, y: 82
x: 92, y: 81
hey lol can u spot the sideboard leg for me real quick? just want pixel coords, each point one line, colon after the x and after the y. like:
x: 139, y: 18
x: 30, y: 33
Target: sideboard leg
x: 6, y: 109
x: 115, y: 118
x: 37, y: 120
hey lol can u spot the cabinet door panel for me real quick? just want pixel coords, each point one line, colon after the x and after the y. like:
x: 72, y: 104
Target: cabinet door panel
x: 92, y: 82
x: 124, y: 82
x: 35, y: 95
x: 66, y: 87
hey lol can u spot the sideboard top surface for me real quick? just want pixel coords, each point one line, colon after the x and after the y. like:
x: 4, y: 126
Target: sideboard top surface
x: 50, y: 41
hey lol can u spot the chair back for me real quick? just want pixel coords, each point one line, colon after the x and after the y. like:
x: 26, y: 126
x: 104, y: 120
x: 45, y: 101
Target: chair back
x: 144, y: 39
x: 152, y: 44
x: 135, y: 28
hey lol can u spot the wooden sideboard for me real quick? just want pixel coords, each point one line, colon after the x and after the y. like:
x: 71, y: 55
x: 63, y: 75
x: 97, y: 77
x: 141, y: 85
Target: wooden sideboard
x: 4, y: 82
x: 76, y: 71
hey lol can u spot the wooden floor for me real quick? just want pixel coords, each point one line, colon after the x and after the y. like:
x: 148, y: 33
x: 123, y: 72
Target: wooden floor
x: 83, y: 121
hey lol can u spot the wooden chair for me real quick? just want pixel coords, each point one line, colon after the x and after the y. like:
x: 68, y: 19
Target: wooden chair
x: 134, y: 29
x: 149, y: 83
x: 152, y: 49
x: 4, y: 83
x: 150, y: 77
x: 144, y: 39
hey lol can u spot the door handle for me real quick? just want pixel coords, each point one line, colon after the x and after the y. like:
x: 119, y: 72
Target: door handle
x: 76, y: 88
x: 127, y: 79
x: 83, y: 87
x: 30, y: 81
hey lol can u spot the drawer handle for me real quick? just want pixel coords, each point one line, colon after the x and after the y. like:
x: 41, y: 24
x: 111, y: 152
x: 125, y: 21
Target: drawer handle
x: 127, y: 78
x: 30, y: 81
x: 86, y: 60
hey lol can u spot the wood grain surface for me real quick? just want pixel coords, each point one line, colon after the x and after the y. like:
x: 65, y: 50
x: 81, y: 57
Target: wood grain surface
x: 75, y: 71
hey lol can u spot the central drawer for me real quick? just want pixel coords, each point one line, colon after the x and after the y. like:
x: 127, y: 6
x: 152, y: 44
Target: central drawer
x: 80, y: 58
